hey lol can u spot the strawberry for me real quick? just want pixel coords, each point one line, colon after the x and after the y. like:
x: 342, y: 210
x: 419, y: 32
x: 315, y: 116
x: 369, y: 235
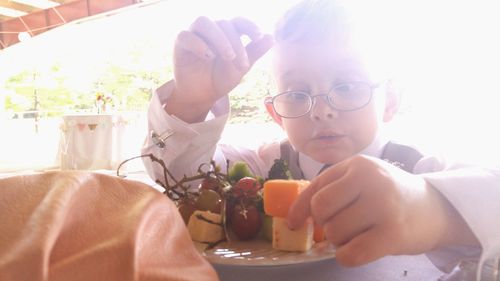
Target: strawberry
x: 246, y: 187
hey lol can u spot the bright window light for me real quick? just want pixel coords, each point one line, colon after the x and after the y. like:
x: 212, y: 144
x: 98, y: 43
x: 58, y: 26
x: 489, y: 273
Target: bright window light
x: 446, y: 54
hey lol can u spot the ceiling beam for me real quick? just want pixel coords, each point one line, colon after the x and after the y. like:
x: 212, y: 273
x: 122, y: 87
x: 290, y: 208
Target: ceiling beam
x: 40, y: 21
x: 17, y: 6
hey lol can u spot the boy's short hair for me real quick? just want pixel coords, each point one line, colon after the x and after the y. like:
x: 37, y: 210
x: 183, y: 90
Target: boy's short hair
x: 312, y: 20
x: 316, y: 21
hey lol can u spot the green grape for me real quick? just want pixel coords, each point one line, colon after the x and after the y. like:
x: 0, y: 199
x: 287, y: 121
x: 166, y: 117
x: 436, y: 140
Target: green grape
x: 239, y: 170
x: 209, y: 200
x: 267, y: 227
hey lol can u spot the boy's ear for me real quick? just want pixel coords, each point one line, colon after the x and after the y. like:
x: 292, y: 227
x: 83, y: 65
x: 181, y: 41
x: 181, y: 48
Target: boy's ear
x: 270, y: 110
x: 393, y: 100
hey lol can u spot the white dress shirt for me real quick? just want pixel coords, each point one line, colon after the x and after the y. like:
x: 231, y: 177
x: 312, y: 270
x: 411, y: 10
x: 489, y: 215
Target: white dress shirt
x: 473, y: 191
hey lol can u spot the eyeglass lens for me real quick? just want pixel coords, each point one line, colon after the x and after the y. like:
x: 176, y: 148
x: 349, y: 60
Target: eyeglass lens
x: 344, y: 97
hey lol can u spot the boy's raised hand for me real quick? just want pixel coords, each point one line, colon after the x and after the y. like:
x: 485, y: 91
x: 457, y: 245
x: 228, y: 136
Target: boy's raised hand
x: 370, y: 208
x: 210, y: 59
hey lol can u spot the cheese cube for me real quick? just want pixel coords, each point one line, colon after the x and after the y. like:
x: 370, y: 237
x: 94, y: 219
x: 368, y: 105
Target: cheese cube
x: 286, y: 239
x: 205, y: 226
x: 319, y: 234
x: 280, y: 194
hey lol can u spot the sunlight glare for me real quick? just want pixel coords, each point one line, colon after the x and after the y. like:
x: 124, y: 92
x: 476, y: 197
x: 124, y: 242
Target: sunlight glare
x: 445, y: 53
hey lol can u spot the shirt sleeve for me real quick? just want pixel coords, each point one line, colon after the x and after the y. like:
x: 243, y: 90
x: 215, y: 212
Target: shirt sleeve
x: 191, y: 145
x: 475, y: 194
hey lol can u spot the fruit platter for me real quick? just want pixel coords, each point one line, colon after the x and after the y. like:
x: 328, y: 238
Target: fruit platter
x: 237, y: 218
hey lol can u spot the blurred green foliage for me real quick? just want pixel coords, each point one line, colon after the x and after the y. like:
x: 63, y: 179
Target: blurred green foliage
x: 129, y: 86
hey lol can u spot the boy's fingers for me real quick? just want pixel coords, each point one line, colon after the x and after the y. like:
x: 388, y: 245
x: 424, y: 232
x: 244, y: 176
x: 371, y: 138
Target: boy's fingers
x: 235, y: 40
x: 259, y: 43
x: 214, y: 37
x: 188, y: 41
x: 365, y: 248
x: 301, y: 208
x: 246, y: 27
x: 347, y: 224
x: 334, y: 197
x: 256, y: 49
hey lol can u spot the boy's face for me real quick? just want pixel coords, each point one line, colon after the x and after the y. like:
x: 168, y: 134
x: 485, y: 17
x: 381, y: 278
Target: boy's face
x: 325, y: 134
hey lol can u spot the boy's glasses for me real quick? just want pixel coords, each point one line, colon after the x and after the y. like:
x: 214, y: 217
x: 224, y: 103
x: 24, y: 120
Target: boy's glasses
x: 347, y: 96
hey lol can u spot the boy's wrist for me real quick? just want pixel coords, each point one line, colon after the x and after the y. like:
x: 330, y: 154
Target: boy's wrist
x: 454, y: 230
x: 187, y: 110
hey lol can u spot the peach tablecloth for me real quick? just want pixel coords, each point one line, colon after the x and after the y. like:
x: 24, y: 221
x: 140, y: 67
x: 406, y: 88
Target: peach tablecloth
x: 84, y: 226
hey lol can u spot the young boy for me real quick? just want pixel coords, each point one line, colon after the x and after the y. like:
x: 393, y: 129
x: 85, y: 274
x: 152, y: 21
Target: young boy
x: 331, y: 104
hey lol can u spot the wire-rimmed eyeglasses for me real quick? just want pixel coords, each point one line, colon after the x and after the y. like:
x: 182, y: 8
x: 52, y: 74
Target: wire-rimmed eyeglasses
x: 348, y: 96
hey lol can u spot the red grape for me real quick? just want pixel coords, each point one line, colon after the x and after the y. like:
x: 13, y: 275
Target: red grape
x: 229, y: 210
x: 209, y: 183
x: 186, y: 209
x: 246, y: 221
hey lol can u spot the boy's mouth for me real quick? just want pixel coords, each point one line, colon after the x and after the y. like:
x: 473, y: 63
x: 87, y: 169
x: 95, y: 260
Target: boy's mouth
x: 328, y: 136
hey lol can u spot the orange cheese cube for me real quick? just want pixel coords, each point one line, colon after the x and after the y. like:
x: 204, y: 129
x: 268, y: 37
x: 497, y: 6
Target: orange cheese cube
x: 319, y: 234
x: 280, y: 194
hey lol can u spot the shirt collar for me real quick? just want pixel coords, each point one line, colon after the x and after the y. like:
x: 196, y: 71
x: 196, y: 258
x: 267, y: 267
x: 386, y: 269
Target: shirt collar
x: 311, y: 167
x: 376, y: 148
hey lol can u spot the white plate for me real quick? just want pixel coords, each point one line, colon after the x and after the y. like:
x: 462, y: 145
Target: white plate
x: 261, y: 253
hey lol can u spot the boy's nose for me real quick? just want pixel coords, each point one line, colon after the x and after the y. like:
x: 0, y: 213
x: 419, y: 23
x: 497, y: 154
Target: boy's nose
x: 322, y: 110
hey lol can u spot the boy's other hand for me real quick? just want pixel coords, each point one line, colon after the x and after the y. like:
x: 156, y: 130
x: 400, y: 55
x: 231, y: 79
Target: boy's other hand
x: 210, y: 60
x: 370, y: 208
